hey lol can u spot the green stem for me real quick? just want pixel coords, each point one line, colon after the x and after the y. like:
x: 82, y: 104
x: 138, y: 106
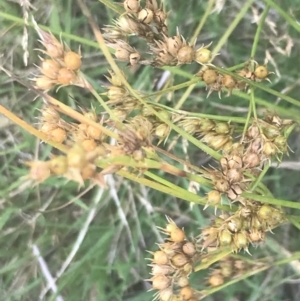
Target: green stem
x: 270, y: 200
x: 116, y: 8
x: 261, y: 175
x: 258, y: 31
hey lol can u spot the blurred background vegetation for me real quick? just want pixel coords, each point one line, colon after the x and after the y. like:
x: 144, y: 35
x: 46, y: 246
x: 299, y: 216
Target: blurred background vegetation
x: 110, y: 264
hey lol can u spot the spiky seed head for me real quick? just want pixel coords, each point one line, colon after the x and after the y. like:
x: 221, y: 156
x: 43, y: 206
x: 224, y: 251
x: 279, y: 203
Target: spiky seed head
x: 39, y: 170
x: 58, y: 135
x: 77, y: 156
x: 210, y: 76
x: 72, y: 60
x: 88, y: 171
x: 235, y: 224
x: 241, y: 240
x: 251, y: 160
x: 225, y: 238
x: 269, y: 149
x: 228, y: 81
x: 50, y: 68
x: 177, y: 235
x: 214, y: 197
x: 132, y: 6
x: 166, y: 294
x: 189, y: 248
x: 44, y: 83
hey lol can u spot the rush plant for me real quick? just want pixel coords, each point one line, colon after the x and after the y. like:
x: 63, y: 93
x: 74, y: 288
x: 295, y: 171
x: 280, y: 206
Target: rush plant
x: 121, y: 131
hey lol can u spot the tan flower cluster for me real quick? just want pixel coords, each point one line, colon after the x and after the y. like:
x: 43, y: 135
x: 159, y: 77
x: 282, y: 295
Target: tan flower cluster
x: 172, y: 265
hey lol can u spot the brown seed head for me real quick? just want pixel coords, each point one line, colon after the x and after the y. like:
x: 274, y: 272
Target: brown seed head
x: 261, y: 72
x: 177, y: 235
x: 77, y: 157
x: 50, y: 68
x: 160, y: 257
x: 166, y: 294
x: 189, y: 249
x: 88, y: 171
x: 39, y: 170
x: 44, y: 83
x: 210, y: 76
x: 58, y: 135
x: 251, y: 160
x: 228, y: 81
x: 186, y: 55
x: 89, y: 144
x: 146, y: 15
x: 132, y: 6
x: 179, y: 260
x: 183, y: 281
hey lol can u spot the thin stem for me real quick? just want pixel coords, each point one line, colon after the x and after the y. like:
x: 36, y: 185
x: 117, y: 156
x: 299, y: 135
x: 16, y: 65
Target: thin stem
x: 27, y: 127
x: 259, y: 178
x: 208, y: 10
x: 116, y: 8
x: 258, y: 31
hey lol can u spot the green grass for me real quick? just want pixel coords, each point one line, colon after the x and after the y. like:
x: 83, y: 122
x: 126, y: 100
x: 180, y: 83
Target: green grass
x: 119, y: 223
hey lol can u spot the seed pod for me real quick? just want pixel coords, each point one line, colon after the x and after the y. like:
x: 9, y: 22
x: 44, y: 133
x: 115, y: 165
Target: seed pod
x: 214, y: 197
x: 116, y: 93
x: 186, y: 293
x: 186, y: 55
x: 132, y: 6
x: 183, y: 281
x: 235, y: 224
x: 228, y: 146
x: 253, y: 131
x: 88, y: 171
x: 222, y: 185
x: 166, y: 294
x: 216, y: 280
x: 222, y: 128
x: 44, y: 83
x: 160, y: 257
x: 276, y: 217
x: 89, y: 144
x: 261, y: 72
x: 216, y: 141
x: 235, y: 161
x: 269, y: 149
x: 210, y: 76
x: 228, y: 82
x: 65, y: 76
x: 234, y: 175
x: 58, y: 135
x: 189, y: 249
x: 50, y: 68
x: 93, y: 132
x: 179, y: 260
x: 77, y: 157
x: 177, y: 235
x: 255, y: 223
x: 160, y: 282
x: 53, y: 47
x: 128, y: 25
x: 72, y: 60
x: 173, y: 45
x: 281, y: 143
x: 251, y: 160
x: 59, y: 165
x: 203, y: 55
x: 161, y: 269
x: 152, y: 4
x: 225, y: 238
x: 240, y: 240
x: 50, y: 115
x: 271, y: 131
x: 256, y: 236
x: 145, y: 15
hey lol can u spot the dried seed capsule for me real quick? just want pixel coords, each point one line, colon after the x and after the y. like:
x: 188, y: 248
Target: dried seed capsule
x: 240, y: 240
x: 162, y: 269
x: 235, y: 224
x: 160, y: 257
x: 225, y: 238
x: 39, y: 170
x: 88, y: 171
x: 179, y: 260
x: 77, y: 157
x: 89, y: 144
x: 216, y: 280
x: 44, y: 83
x: 261, y: 72
x: 186, y: 55
x: 276, y: 217
x: 122, y: 54
x: 222, y: 185
x: 183, y: 281
x: 251, y: 160
x: 222, y: 128
x: 160, y: 282
x: 269, y: 149
x: 59, y: 165
x: 160, y: 17
x: 53, y: 47
x: 217, y: 141
x: 271, y: 131
x: 132, y: 6
x: 116, y: 93
x: 253, y: 132
x: 65, y: 76
x: 235, y: 161
x: 210, y: 76
x: 49, y: 114
x: 72, y: 60
x: 145, y: 15
x: 186, y: 293
x: 166, y: 294
x: 93, y: 132
x: 281, y: 143
x: 177, y: 235
x: 58, y: 135
x: 174, y: 44
x: 189, y: 248
x: 256, y: 236
x: 234, y: 175
x: 203, y: 55
x: 50, y: 68
x: 214, y: 197
x: 228, y: 82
